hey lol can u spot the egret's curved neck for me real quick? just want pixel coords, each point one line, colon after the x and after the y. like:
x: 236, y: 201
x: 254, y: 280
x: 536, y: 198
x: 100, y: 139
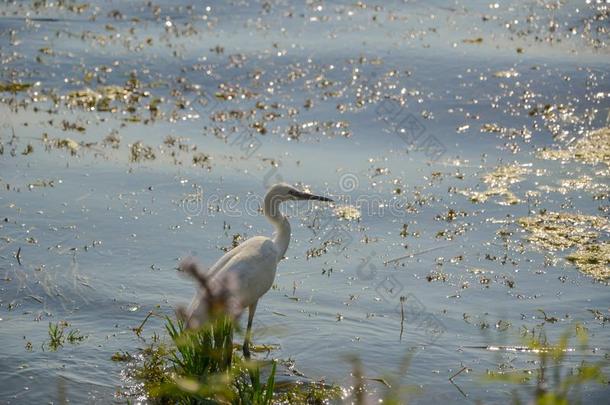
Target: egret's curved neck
x: 281, y: 237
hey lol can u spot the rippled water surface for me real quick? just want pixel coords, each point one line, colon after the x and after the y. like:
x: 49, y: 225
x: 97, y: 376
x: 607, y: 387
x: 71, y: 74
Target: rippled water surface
x: 470, y: 138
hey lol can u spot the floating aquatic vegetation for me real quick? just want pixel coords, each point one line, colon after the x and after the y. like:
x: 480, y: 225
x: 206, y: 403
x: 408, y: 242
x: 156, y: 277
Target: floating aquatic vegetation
x: 329, y: 128
x: 61, y: 143
x: 599, y: 315
x: 201, y: 159
x: 14, y: 87
x: 560, y: 230
x: 323, y: 248
x: 450, y: 215
x: 593, y: 259
x: 435, y: 275
x: 348, y: 212
x: 492, y: 127
x: 223, y: 116
x: 594, y: 148
x: 140, y: 152
x: 507, y: 133
x: 57, y: 336
x: 101, y: 97
x: 600, y: 191
x: 505, y: 176
x: 72, y: 126
x: 113, y: 140
x: 454, y: 231
x: 498, y: 183
x: 559, y: 119
x: 41, y: 183
x: 28, y: 149
x: 506, y: 73
x: 121, y: 357
x: 306, y: 393
x: 232, y: 92
x: 237, y: 239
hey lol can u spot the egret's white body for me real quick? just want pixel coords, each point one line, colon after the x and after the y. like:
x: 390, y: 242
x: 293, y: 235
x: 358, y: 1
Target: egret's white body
x: 249, y: 269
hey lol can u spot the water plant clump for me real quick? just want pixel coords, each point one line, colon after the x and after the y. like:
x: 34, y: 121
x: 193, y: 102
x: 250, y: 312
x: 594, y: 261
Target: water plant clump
x: 14, y: 87
x: 598, y: 190
x: 203, y: 352
x: 591, y: 149
x: 58, y: 335
x: 562, y: 230
x: 199, y: 365
x: 593, y: 259
x: 306, y: 393
x: 498, y: 184
x: 553, y: 231
x: 348, y: 213
x: 140, y: 152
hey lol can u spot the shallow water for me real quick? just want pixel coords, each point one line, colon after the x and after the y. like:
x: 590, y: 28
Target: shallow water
x: 101, y: 235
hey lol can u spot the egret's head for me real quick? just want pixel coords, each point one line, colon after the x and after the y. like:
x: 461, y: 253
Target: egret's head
x: 285, y: 192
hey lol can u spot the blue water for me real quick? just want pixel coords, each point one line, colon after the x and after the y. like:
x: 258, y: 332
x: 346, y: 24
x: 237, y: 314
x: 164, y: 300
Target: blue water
x: 109, y: 233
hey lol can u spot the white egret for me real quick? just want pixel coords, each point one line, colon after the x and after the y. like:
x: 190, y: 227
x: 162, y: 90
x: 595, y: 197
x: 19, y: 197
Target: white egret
x: 247, y: 272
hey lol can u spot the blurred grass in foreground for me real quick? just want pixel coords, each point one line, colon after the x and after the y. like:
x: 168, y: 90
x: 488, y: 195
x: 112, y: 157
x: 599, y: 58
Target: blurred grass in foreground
x: 555, y: 382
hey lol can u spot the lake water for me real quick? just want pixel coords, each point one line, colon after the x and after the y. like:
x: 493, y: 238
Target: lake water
x: 428, y: 118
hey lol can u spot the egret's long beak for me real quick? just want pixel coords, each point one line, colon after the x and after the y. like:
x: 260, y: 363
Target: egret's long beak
x: 307, y: 196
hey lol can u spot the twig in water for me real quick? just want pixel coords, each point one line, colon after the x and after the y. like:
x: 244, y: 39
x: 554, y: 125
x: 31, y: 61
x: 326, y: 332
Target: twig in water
x: 551, y: 319
x: 459, y: 389
x: 35, y: 298
x: 415, y: 254
x: 458, y: 373
x: 457, y: 386
x: 19, y: 256
x: 402, y: 315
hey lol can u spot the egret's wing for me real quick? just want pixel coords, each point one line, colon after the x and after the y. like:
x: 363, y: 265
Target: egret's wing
x: 222, y: 261
x: 251, y: 270
x: 249, y: 246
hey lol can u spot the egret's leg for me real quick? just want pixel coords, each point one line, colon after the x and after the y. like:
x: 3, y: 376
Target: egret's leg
x: 251, y: 310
